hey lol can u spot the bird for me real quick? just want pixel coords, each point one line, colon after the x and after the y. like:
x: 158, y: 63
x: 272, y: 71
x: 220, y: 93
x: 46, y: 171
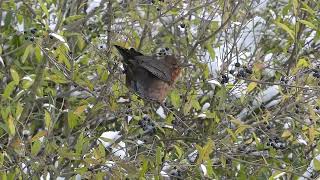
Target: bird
x: 150, y: 77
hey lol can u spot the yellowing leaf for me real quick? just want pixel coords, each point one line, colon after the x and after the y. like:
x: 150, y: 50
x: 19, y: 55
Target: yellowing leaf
x: 316, y: 164
x: 26, y: 53
x: 11, y: 126
x: 251, y: 86
x: 249, y: 141
x: 303, y: 63
x: 80, y: 110
x: 286, y: 134
x: 241, y: 128
x: 312, y: 134
x: 39, y: 135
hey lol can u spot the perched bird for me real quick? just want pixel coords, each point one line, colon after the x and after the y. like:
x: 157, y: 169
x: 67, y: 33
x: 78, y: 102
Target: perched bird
x: 151, y: 77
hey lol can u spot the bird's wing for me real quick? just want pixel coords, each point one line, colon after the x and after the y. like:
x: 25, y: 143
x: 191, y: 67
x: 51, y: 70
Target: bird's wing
x: 156, y: 66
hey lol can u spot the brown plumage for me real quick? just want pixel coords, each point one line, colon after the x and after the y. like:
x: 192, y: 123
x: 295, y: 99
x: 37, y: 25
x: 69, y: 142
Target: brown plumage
x: 151, y: 77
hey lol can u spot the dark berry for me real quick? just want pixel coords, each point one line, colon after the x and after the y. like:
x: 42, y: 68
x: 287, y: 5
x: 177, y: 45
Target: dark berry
x: 70, y: 52
x: 317, y: 107
x: 226, y: 79
x: 237, y: 64
x: 33, y: 30
x: 101, y: 47
x: 167, y: 49
x: 224, y: 76
x: 316, y: 75
x: 26, y: 38
x: 54, y: 48
x: 32, y: 39
x: 158, y: 9
x: 25, y: 32
x: 231, y: 71
x: 249, y: 71
x: 182, y: 25
x: 51, y: 37
x: 90, y: 28
x: 242, y: 73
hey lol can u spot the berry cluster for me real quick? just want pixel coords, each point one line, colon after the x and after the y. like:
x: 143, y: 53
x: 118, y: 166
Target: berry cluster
x: 147, y: 125
x: 238, y: 71
x: 276, y: 143
x: 164, y: 51
x: 241, y: 71
x: 33, y: 31
x: 316, y: 73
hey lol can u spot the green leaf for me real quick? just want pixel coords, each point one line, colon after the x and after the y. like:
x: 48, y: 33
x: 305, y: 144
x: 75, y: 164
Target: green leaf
x: 144, y: 168
x: 26, y: 53
x: 205, y: 151
x: 1, y: 158
x: 44, y: 8
x: 47, y: 119
x: 15, y: 75
x: 9, y: 88
x: 158, y: 155
x: 37, y: 54
x: 307, y: 23
x: 285, y: 28
x: 209, y: 168
x: 178, y: 151
x: 307, y: 8
x: 19, y: 109
x: 73, y: 18
x: 35, y: 148
x: 295, y: 7
x: 79, y: 144
x: 175, y: 98
x: 211, y: 51
x: 72, y: 120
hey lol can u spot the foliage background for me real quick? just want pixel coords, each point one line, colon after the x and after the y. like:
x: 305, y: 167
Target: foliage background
x: 247, y: 108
